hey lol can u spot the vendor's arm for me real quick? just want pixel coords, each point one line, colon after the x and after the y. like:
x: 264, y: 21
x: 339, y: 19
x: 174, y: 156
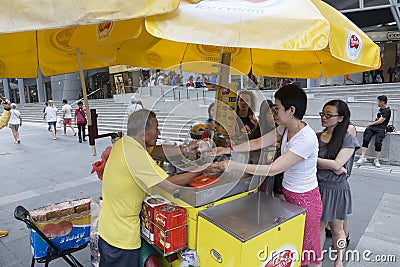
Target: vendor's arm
x: 161, y: 152
x: 329, y: 164
x: 183, y: 178
x: 173, y: 182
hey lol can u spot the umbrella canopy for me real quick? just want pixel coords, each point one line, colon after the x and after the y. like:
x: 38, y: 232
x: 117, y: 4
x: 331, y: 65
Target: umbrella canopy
x: 37, y: 33
x: 280, y: 38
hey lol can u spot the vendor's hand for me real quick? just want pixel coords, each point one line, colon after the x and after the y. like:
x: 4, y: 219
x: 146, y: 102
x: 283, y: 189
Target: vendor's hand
x: 341, y: 171
x: 191, y: 149
x: 204, y: 145
x: 213, y: 167
x: 193, y: 145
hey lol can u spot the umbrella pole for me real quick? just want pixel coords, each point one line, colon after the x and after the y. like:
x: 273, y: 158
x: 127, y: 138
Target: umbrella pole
x: 223, y: 75
x: 84, y: 93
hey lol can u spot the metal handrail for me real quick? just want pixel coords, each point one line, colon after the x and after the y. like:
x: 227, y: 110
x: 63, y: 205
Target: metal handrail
x: 87, y: 95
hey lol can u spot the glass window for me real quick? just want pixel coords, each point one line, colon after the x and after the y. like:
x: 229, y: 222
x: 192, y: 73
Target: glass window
x: 371, y: 3
x: 344, y: 4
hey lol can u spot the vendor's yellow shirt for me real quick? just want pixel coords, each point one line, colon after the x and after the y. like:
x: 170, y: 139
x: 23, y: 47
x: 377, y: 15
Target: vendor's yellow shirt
x: 129, y: 172
x: 5, y: 117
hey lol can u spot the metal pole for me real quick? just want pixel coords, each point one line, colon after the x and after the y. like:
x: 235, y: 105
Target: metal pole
x: 395, y: 12
x: 84, y: 93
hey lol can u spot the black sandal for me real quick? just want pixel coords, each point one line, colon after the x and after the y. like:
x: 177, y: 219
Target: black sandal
x: 347, y: 240
x: 328, y: 232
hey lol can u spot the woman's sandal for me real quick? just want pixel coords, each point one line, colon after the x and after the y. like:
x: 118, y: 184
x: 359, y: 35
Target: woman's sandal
x: 328, y: 232
x: 347, y: 240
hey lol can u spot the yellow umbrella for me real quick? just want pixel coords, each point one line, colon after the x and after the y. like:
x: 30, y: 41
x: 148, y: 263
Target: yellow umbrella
x: 36, y: 33
x: 281, y: 38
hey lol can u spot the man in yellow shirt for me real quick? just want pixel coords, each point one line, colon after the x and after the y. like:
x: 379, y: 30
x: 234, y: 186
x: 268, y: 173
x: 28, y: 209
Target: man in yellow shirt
x: 129, y: 173
x: 3, y: 122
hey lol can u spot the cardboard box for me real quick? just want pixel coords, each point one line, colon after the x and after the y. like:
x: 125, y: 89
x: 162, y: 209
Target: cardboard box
x: 147, y: 214
x: 170, y: 228
x: 66, y: 224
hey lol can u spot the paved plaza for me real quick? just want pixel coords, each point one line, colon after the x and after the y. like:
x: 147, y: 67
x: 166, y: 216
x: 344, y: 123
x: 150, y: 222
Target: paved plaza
x: 41, y: 171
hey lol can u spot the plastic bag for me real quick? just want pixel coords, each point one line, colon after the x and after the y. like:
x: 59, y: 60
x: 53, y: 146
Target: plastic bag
x: 60, y: 122
x: 99, y: 166
x: 95, y: 207
x: 189, y: 259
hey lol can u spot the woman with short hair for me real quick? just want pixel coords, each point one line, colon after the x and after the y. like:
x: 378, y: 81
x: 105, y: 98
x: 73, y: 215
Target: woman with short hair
x: 298, y: 162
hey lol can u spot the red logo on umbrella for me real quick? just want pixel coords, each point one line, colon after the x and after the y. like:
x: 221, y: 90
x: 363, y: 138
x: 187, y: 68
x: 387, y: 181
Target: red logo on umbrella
x: 281, y: 259
x: 105, y: 26
x: 104, y: 29
x: 354, y: 42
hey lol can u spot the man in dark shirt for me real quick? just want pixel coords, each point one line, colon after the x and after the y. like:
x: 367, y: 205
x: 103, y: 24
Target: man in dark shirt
x: 377, y: 128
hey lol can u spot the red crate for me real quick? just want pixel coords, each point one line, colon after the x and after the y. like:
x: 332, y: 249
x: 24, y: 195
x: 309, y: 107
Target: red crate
x: 170, y: 230
x: 147, y: 214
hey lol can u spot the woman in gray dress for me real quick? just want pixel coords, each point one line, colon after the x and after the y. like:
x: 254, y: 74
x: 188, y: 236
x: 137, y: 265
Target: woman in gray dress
x: 335, y: 161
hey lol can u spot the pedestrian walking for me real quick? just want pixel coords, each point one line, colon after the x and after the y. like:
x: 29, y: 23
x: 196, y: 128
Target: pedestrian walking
x: 80, y: 121
x: 377, y: 128
x: 15, y: 122
x: 44, y: 115
x: 335, y: 161
x: 67, y: 116
x: 346, y: 78
x: 51, y: 117
x: 134, y: 105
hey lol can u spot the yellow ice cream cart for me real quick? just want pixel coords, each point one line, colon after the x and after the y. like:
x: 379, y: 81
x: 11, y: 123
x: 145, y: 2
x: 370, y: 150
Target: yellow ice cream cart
x: 243, y: 227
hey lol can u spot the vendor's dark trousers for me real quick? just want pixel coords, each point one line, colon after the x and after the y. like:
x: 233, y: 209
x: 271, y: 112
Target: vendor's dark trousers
x: 111, y: 256
x: 81, y: 131
x: 379, y: 135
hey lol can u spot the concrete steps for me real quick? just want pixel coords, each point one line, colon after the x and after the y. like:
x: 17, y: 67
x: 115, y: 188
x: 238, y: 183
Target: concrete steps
x: 112, y: 117
x: 367, y: 92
